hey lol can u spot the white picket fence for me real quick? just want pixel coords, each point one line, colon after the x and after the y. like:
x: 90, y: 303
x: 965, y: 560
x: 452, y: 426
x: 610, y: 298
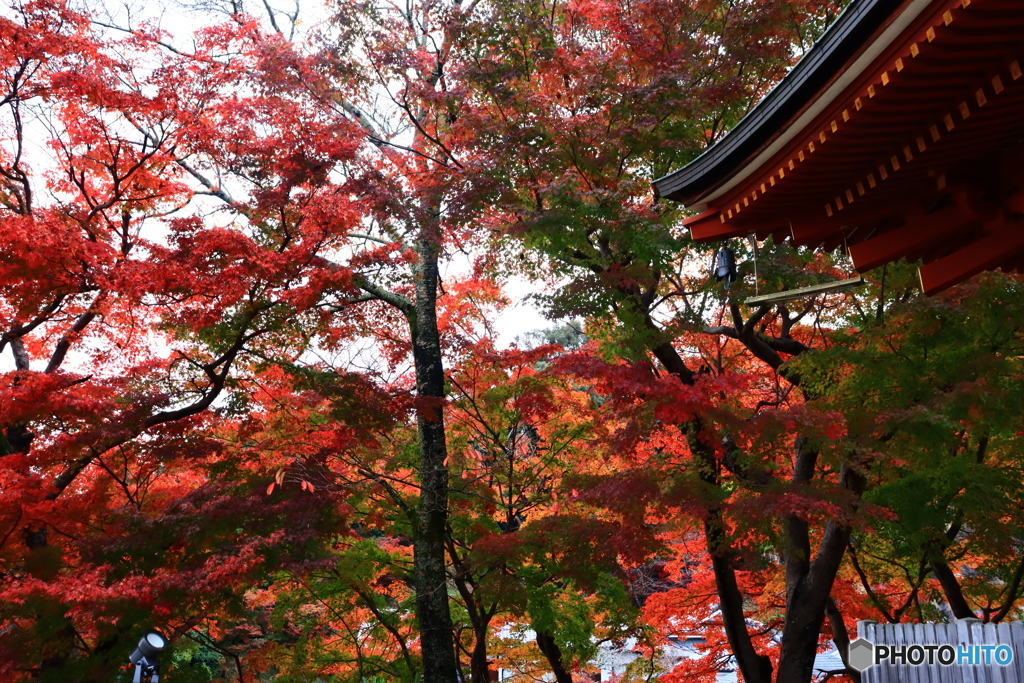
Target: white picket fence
x: 962, y: 632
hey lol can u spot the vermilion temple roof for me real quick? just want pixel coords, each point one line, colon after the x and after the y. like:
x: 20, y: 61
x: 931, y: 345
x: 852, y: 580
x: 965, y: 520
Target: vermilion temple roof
x: 899, y: 133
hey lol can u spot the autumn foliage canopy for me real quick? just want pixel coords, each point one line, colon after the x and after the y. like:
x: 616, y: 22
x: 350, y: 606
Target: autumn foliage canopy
x: 258, y: 284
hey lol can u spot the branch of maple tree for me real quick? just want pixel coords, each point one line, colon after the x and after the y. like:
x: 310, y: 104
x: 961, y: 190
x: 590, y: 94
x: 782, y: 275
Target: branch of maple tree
x: 134, y: 426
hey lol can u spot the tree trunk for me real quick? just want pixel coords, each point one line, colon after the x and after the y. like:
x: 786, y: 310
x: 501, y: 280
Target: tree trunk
x: 548, y: 646
x: 808, y: 583
x: 756, y: 668
x: 809, y: 588
x: 478, y: 670
x: 432, y: 609
x: 841, y: 637
x: 951, y: 588
x: 479, y: 616
x: 16, y: 438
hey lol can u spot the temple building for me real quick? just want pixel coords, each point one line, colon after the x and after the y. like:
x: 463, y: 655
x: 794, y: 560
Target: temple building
x: 899, y: 134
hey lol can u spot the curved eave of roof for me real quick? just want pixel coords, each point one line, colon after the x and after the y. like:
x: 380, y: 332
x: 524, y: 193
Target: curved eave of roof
x: 820, y: 66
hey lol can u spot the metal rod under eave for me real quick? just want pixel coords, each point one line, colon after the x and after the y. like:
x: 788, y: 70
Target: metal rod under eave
x: 790, y: 294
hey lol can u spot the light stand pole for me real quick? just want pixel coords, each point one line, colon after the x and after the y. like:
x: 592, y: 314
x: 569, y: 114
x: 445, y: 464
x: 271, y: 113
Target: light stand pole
x: 144, y: 658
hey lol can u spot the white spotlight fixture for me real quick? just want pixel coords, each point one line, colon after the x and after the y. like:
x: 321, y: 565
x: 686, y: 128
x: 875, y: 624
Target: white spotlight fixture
x: 147, y: 667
